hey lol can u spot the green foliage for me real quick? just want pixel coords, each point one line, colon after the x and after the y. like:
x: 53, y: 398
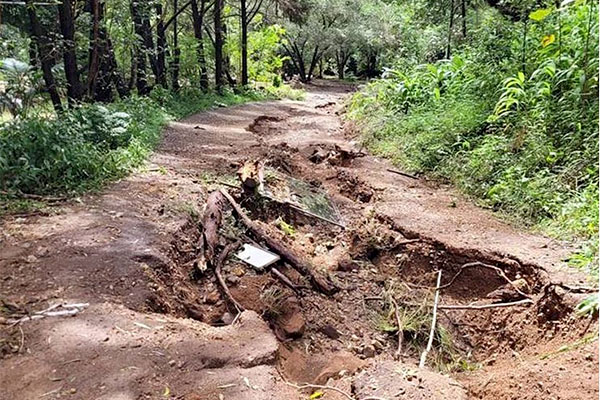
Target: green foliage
x: 91, y: 144
x: 522, y: 137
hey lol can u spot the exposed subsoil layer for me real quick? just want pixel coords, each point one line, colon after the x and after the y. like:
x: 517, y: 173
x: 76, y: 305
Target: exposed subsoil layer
x: 158, y: 327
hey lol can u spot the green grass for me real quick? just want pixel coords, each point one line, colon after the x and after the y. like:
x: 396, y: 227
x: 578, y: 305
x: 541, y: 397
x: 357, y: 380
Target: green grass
x: 84, y: 148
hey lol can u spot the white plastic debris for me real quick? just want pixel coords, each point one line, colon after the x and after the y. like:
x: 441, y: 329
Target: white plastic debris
x: 257, y: 257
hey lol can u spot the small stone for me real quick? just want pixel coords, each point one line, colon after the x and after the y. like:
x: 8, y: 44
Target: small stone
x: 368, y: 351
x: 172, y: 362
x: 233, y: 280
x: 227, y: 318
x: 31, y: 259
x: 329, y: 331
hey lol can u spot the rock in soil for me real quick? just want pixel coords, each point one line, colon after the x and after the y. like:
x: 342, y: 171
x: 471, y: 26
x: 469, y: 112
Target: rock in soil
x: 291, y: 322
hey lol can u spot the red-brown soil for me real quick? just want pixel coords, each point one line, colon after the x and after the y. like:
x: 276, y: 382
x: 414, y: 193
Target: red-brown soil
x: 158, y: 327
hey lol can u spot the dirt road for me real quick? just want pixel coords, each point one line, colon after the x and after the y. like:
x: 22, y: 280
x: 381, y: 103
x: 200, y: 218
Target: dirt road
x: 156, y: 328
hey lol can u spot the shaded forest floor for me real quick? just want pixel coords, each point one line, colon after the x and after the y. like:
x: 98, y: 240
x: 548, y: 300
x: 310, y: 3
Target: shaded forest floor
x: 157, y: 329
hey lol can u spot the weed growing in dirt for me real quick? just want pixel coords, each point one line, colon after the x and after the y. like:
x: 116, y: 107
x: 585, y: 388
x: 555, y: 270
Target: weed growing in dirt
x: 415, y: 319
x: 273, y: 299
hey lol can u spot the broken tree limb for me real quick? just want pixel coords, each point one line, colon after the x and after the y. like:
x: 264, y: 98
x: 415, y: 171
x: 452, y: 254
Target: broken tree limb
x: 286, y: 281
x: 400, y: 328
x: 295, y: 260
x: 218, y: 264
x: 461, y: 306
x: 498, y: 270
x: 395, y: 171
x: 251, y: 175
x: 433, y: 320
x: 485, y: 306
x: 68, y: 310
x: 213, y: 214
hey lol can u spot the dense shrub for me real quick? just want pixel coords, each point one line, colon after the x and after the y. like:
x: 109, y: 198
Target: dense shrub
x: 91, y: 144
x: 523, y: 138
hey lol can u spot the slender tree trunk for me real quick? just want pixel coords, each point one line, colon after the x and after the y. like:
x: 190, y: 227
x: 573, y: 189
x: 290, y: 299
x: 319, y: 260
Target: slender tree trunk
x: 67, y: 28
x: 244, y: 26
x: 141, y: 81
x: 94, y: 58
x: 450, y: 26
x: 524, y: 44
x: 176, y: 51
x: 46, y: 61
x: 161, y: 47
x: 218, y: 8
x: 198, y: 22
x: 463, y: 11
x: 313, y: 62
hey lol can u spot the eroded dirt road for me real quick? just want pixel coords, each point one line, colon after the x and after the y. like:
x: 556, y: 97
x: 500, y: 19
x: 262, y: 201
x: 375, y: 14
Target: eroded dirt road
x: 157, y: 329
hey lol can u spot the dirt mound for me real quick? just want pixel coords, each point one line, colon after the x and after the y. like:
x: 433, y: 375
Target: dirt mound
x: 392, y: 380
x: 265, y: 125
x: 112, y: 349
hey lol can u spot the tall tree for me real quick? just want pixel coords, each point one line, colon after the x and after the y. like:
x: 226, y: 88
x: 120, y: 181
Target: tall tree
x: 141, y: 48
x: 46, y: 60
x: 67, y: 27
x: 450, y: 27
x: 247, y: 14
x: 463, y: 11
x: 218, y: 23
x: 176, y: 50
x: 198, y: 23
x: 161, y: 46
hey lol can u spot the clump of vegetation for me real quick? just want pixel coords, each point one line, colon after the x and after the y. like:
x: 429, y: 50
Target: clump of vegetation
x: 511, y: 117
x: 94, y: 143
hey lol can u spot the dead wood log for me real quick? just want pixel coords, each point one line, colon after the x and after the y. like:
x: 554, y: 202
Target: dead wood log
x: 286, y: 253
x: 218, y: 265
x: 211, y: 222
x: 251, y: 175
x: 395, y: 171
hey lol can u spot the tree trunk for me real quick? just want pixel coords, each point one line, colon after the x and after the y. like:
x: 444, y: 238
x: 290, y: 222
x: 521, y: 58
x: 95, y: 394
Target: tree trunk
x: 450, y: 26
x: 67, y: 28
x: 463, y: 10
x: 176, y: 52
x: 244, y: 27
x: 313, y: 63
x: 218, y: 8
x: 141, y: 81
x: 161, y: 47
x: 341, y: 60
x: 46, y: 61
x: 198, y: 21
x: 94, y: 58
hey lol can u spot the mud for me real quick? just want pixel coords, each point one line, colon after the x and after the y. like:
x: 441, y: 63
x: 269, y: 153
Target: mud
x: 135, y: 253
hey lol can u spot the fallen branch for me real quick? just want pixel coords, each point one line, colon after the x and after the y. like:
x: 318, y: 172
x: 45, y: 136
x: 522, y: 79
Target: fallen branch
x: 211, y: 222
x: 499, y: 271
x: 69, y: 309
x: 296, y: 261
x: 460, y: 306
x: 218, y: 264
x: 395, y: 171
x: 286, y: 281
x: 485, y: 306
x: 433, y: 321
x: 400, y: 328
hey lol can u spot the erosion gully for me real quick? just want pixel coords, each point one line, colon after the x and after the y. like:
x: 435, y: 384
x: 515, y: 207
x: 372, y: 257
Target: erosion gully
x: 135, y: 252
